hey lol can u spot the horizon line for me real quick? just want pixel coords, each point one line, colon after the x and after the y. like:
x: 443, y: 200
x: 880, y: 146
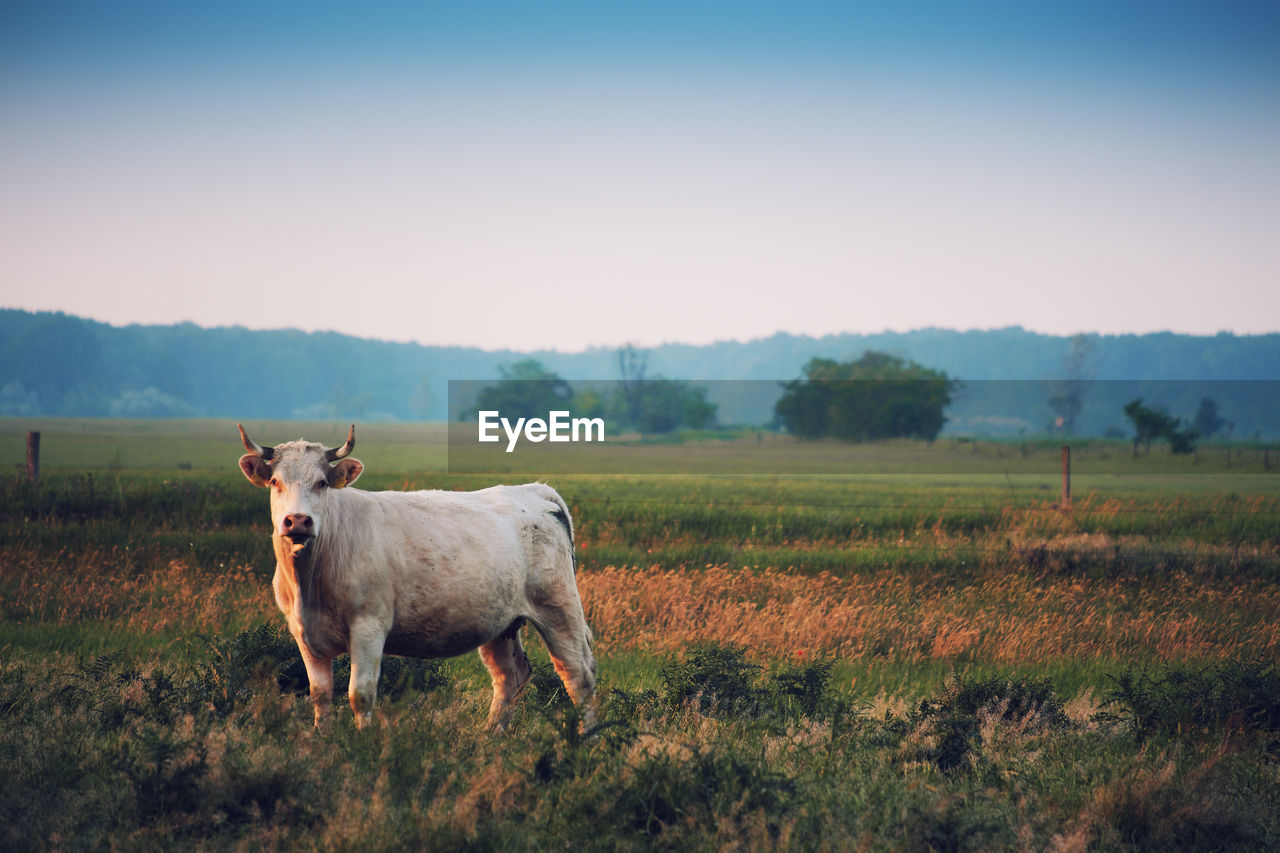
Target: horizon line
x: 595, y: 347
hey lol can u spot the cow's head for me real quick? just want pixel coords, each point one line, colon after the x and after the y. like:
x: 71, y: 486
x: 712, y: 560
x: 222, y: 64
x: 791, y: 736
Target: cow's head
x: 300, y: 475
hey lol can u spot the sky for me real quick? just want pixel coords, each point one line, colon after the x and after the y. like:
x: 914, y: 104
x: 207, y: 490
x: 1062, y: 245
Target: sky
x: 566, y: 175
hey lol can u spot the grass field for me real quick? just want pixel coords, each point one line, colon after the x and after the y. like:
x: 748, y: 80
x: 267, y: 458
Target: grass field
x: 931, y: 655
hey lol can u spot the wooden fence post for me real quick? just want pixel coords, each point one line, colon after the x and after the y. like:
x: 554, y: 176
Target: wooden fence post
x: 1066, y: 477
x: 33, y: 456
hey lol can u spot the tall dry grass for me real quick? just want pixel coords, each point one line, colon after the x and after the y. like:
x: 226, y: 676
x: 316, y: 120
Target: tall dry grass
x: 65, y: 589
x: 1001, y: 617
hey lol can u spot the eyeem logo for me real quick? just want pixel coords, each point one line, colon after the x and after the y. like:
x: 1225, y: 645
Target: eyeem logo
x: 557, y: 427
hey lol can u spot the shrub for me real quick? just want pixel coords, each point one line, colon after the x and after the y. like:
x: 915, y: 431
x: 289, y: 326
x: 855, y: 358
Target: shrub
x: 716, y: 679
x: 667, y: 791
x: 264, y: 652
x: 800, y: 691
x: 547, y: 684
x: 1180, y: 700
x: 952, y: 713
x: 165, y: 769
x: 268, y: 652
x: 402, y: 677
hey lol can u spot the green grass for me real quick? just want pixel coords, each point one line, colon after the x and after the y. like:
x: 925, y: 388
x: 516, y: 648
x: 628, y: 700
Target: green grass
x: 1035, y: 464
x: 219, y: 752
x: 1008, y: 675
x: 203, y: 445
x: 91, y: 444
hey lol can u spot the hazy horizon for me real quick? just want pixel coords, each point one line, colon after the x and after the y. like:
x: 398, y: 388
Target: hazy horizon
x: 584, y: 175
x: 676, y: 343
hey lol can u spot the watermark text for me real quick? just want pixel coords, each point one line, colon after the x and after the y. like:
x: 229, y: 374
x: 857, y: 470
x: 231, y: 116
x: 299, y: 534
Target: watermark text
x: 558, y: 426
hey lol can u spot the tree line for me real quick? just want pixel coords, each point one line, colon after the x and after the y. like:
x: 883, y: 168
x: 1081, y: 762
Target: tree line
x: 1015, y: 382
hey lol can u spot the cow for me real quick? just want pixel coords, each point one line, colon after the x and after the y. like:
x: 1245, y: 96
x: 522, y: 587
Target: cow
x: 428, y: 574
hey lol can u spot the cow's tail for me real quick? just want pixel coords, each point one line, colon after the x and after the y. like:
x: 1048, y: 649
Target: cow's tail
x: 561, y: 513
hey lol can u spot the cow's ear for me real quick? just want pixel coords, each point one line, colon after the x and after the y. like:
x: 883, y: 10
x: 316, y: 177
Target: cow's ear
x: 256, y: 469
x: 345, y: 472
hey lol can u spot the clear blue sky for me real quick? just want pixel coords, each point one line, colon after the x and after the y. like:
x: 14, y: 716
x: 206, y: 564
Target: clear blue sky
x: 565, y: 175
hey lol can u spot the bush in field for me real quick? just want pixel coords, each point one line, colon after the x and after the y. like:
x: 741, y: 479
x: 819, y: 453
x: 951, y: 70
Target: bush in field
x: 402, y: 677
x: 268, y: 653
x: 801, y: 689
x: 256, y: 655
x: 1182, y: 700
x: 165, y: 770
x: 954, y: 714
x: 666, y: 793
x: 717, y: 680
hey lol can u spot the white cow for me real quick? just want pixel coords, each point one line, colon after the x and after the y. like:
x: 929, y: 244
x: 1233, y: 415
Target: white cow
x: 426, y: 574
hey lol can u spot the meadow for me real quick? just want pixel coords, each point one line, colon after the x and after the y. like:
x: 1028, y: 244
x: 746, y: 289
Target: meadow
x: 931, y: 654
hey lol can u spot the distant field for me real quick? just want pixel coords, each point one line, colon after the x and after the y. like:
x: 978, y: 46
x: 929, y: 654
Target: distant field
x: 396, y: 450
x: 930, y: 655
x: 205, y: 444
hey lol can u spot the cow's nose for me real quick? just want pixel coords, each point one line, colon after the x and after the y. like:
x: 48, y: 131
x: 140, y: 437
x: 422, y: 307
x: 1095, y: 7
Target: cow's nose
x: 297, y: 524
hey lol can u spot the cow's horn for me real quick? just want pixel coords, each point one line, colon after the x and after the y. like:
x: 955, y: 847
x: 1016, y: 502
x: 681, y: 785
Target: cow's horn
x: 333, y: 453
x: 253, y: 447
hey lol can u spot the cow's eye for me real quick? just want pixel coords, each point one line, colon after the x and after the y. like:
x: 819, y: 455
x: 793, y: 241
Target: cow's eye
x: 273, y: 482
x: 322, y: 484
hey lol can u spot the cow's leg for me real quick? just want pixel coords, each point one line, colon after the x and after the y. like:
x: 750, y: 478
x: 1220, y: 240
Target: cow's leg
x: 568, y: 639
x: 367, y: 639
x: 320, y: 676
x: 509, y: 668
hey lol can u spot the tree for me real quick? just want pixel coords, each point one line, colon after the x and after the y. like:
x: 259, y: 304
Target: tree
x: 655, y: 404
x: 662, y: 405
x: 587, y: 403
x: 1066, y: 396
x: 632, y: 365
x: 527, y: 390
x: 805, y: 409
x: 1207, y: 421
x: 877, y: 396
x: 1181, y: 440
x: 1150, y: 424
